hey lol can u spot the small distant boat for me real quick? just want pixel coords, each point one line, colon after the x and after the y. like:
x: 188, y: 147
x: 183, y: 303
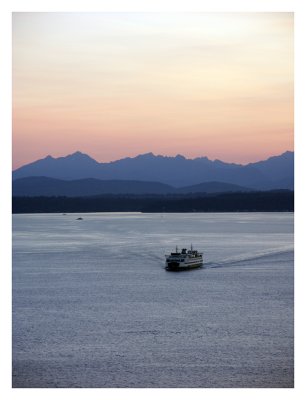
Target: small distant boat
x: 79, y: 219
x: 184, y: 259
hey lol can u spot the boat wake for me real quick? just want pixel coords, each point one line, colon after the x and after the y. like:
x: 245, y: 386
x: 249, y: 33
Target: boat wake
x: 268, y: 255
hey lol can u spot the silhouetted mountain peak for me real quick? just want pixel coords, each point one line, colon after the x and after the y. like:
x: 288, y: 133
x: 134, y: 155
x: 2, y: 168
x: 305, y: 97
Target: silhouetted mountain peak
x: 180, y: 157
x: 145, y: 156
x: 202, y: 159
x: 78, y: 155
x: 287, y: 155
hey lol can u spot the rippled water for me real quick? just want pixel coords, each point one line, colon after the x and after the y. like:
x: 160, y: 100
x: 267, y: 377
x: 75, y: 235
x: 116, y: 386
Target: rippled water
x: 93, y: 305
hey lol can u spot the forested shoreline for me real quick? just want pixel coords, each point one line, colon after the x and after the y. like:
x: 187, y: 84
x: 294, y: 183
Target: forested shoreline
x: 269, y: 201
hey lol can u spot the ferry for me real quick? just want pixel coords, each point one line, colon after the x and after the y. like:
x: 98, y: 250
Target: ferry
x: 184, y: 259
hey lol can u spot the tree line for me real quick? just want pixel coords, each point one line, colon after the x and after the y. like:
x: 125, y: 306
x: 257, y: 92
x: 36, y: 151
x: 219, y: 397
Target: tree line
x: 282, y: 200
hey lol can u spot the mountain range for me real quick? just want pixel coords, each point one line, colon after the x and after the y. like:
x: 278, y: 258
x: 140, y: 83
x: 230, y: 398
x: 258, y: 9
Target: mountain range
x: 147, y: 173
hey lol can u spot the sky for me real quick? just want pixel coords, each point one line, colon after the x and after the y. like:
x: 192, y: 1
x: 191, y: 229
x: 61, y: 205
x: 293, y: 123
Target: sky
x: 116, y: 85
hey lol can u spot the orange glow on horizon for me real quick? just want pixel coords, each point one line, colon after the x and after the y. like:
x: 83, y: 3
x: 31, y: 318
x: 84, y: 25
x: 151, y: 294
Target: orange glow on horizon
x: 115, y: 85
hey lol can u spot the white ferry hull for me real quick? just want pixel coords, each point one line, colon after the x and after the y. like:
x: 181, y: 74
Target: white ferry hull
x: 176, y: 266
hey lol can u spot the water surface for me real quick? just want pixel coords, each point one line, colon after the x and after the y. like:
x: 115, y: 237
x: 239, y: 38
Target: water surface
x: 93, y: 305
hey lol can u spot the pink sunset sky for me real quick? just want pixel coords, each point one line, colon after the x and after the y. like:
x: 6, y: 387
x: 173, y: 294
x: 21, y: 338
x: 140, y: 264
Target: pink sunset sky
x: 116, y: 85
